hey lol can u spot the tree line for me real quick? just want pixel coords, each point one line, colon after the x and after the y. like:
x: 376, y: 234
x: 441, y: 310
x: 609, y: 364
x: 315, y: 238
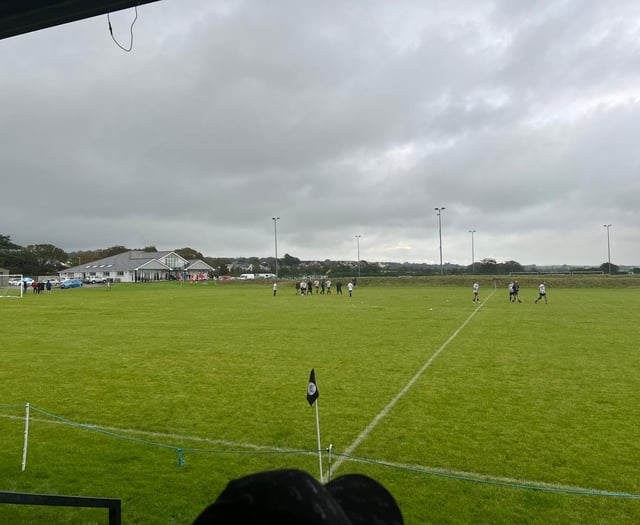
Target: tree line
x: 47, y: 259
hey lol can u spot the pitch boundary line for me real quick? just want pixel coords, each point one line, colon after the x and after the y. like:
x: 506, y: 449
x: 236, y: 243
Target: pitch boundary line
x: 434, y: 471
x: 149, y: 433
x: 498, y: 480
x: 383, y: 413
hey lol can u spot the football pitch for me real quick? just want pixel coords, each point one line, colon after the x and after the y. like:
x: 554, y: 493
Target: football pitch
x: 159, y: 394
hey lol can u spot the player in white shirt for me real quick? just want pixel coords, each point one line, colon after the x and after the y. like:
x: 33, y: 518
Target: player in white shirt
x: 542, y: 291
x: 476, y: 291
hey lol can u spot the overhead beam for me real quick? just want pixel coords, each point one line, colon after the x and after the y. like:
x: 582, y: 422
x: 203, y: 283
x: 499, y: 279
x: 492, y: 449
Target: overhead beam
x: 23, y: 16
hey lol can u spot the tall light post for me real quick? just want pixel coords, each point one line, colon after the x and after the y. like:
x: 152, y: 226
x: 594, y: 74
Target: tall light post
x: 607, y: 226
x: 473, y: 257
x: 275, y: 238
x: 358, y: 248
x: 439, y: 212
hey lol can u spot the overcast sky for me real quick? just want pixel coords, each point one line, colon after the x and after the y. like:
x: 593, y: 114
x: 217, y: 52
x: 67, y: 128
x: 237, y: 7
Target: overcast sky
x: 343, y: 118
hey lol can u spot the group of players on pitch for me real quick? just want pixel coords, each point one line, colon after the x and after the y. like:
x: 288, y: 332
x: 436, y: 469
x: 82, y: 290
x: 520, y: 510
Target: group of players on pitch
x: 514, y: 292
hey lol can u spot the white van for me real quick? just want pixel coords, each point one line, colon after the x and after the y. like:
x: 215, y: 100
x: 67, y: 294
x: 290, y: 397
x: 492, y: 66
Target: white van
x: 248, y: 276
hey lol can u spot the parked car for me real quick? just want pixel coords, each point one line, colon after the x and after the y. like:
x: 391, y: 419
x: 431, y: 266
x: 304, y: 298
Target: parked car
x: 71, y: 283
x: 20, y: 282
x: 95, y: 279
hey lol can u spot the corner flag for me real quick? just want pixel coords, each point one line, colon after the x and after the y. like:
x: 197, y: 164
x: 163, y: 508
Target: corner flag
x: 312, y: 389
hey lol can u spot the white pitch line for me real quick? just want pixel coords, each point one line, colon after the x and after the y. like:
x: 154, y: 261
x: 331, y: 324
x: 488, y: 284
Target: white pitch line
x: 469, y: 476
x: 382, y: 414
x: 479, y: 477
x: 89, y: 426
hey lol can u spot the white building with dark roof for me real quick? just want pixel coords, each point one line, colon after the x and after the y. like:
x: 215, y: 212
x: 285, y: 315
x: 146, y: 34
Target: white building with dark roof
x: 136, y: 266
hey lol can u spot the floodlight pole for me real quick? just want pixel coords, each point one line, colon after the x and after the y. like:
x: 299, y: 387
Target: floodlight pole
x: 358, y: 249
x: 607, y: 226
x: 473, y: 258
x: 439, y: 212
x: 275, y: 238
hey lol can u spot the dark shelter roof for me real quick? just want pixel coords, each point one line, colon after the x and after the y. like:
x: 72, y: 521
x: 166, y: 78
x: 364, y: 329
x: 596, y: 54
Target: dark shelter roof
x: 23, y: 16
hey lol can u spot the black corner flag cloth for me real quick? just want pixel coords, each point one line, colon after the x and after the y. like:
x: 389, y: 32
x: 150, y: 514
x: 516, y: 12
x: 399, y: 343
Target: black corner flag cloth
x: 312, y: 389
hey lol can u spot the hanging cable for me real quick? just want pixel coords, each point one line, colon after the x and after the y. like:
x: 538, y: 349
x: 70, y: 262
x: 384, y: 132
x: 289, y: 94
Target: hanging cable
x: 130, y: 30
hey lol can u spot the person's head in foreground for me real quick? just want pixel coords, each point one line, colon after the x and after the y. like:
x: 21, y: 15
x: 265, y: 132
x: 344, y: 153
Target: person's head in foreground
x: 292, y: 496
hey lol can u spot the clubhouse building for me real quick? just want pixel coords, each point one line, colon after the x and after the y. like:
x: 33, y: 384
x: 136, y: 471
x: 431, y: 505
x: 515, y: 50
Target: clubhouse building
x: 140, y: 266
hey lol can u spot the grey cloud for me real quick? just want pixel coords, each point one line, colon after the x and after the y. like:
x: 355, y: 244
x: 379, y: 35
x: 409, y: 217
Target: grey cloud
x: 342, y: 118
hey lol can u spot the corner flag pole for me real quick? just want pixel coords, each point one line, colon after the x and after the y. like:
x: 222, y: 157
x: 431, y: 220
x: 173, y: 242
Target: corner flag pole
x: 319, y: 446
x: 312, y: 397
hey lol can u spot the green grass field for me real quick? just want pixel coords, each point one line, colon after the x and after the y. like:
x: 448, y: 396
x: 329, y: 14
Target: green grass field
x: 503, y: 413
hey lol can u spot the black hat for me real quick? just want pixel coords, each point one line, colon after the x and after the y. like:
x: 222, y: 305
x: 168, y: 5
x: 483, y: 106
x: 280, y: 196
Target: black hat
x: 292, y: 496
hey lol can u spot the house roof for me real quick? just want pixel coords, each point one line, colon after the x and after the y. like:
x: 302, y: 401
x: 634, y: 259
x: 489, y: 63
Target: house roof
x: 199, y: 264
x: 23, y: 16
x: 128, y: 261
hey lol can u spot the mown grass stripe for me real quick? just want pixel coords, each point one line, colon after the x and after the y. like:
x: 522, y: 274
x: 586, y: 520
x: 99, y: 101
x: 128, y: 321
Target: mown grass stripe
x: 382, y: 414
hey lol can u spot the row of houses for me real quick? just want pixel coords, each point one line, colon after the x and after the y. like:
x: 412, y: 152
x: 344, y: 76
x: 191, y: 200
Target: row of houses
x: 139, y: 266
